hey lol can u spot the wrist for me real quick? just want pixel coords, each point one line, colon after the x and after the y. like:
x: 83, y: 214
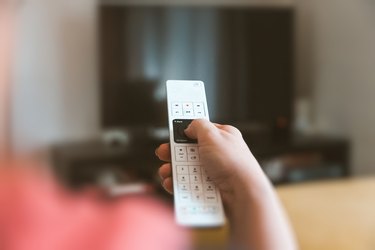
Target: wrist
x: 245, y: 190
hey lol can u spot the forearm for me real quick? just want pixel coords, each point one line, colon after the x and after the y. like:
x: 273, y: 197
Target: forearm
x: 256, y: 217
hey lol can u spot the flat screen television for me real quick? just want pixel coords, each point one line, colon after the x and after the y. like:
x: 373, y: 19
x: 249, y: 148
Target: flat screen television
x: 243, y: 54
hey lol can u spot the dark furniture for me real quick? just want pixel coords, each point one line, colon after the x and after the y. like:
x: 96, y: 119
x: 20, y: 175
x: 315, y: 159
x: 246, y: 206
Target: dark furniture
x: 303, y: 158
x: 299, y: 158
x: 82, y: 163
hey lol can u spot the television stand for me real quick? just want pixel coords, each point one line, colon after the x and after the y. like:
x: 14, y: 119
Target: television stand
x: 300, y: 158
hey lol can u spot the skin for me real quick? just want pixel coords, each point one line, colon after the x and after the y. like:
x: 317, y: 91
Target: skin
x: 254, y: 212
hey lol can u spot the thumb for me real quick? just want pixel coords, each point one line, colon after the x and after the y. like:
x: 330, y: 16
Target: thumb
x: 198, y: 128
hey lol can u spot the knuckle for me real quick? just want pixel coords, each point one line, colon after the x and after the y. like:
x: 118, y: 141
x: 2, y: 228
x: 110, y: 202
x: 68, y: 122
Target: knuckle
x: 232, y: 129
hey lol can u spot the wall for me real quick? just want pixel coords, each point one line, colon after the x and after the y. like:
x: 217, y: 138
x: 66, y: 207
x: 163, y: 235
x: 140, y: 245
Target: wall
x: 55, y: 77
x: 336, y: 68
x: 7, y: 18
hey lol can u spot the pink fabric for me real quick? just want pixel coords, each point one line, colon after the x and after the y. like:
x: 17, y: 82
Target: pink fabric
x: 36, y: 214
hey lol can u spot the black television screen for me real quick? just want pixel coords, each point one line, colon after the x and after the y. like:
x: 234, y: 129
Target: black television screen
x: 244, y: 56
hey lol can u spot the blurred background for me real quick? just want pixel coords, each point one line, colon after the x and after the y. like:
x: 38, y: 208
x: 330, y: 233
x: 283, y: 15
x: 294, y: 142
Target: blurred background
x: 86, y: 90
x: 305, y: 65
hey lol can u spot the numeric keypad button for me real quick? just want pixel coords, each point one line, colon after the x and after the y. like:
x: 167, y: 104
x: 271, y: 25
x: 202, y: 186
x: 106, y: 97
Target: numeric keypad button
x: 194, y: 169
x: 197, y: 188
x: 195, y: 179
x: 183, y: 179
x: 182, y: 169
x: 209, y: 188
x: 206, y: 178
x: 184, y: 187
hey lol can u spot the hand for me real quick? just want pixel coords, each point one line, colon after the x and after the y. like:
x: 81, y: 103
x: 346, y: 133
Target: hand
x: 223, y: 153
x: 165, y: 171
x: 255, y: 215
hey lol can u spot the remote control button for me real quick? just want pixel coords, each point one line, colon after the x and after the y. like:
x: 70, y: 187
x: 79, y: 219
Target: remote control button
x: 193, y: 158
x: 188, y: 112
x: 188, y: 109
x: 183, y: 187
x: 194, y: 210
x: 181, y: 154
x: 206, y: 210
x: 183, y: 179
x: 194, y: 169
x: 192, y: 150
x: 198, y: 109
x: 199, y: 114
x: 185, y: 197
x: 197, y: 188
x: 176, y: 105
x: 209, y: 188
x: 195, y: 179
x: 206, y: 178
x: 187, y: 105
x: 198, y: 105
x: 210, y: 197
x: 184, y: 210
x: 179, y: 136
x: 182, y: 169
x: 176, y: 112
x: 197, y: 197
x: 212, y: 209
x: 181, y: 157
x: 180, y: 149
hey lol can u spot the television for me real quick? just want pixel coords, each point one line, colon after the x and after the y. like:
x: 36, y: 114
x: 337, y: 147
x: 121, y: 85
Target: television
x: 245, y: 56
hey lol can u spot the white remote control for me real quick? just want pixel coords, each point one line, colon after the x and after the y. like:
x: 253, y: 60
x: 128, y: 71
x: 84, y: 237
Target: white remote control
x: 197, y: 202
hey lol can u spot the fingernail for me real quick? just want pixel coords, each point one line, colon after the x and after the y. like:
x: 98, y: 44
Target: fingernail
x: 156, y: 152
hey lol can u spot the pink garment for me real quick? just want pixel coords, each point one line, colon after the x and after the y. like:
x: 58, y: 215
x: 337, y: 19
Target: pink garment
x: 36, y: 214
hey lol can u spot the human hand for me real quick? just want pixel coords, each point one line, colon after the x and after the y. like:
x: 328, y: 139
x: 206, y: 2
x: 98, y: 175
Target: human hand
x: 255, y: 214
x: 223, y: 154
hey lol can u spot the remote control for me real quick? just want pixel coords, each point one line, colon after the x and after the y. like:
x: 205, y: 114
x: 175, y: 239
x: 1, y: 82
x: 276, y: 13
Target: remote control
x: 197, y: 202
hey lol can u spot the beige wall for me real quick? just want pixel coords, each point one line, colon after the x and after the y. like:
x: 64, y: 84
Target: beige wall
x: 337, y: 67
x: 7, y: 15
x: 55, y: 91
